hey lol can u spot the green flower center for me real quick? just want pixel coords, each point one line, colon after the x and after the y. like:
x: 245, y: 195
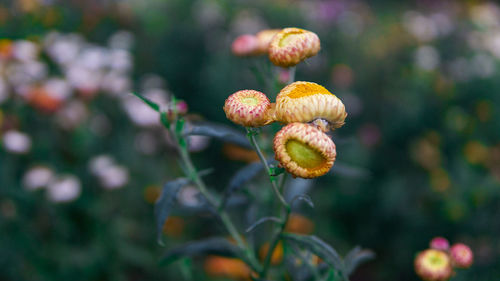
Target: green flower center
x: 287, y: 39
x: 250, y: 101
x: 304, y: 155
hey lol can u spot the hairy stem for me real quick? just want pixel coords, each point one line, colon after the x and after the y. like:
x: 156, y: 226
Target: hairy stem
x: 286, y: 207
x: 214, y: 202
x: 263, y: 159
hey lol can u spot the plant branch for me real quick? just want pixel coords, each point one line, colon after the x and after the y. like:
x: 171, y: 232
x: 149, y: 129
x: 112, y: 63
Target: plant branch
x: 214, y: 202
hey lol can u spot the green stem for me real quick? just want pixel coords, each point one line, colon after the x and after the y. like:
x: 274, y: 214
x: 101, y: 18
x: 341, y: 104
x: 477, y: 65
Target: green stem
x: 214, y: 202
x: 291, y: 79
x: 277, y: 236
x: 286, y: 207
x: 263, y: 159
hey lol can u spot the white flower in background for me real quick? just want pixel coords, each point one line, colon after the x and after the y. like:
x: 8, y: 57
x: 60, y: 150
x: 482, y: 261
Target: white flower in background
x: 483, y: 65
x: 492, y: 43
x: 140, y: 113
x: 92, y: 58
x: 486, y: 15
x: 443, y: 23
x: 58, y: 88
x: 121, y: 40
x: 63, y: 48
x: 420, y: 26
x: 116, y: 83
x: 64, y: 189
x: 109, y: 174
x: 100, y: 163
x: 20, y: 74
x: 120, y: 60
x: 189, y: 196
x: 83, y: 78
x: 25, y: 51
x: 37, y: 177
x: 16, y: 142
x: 427, y: 58
x: 72, y: 114
x: 114, y: 177
x: 198, y: 143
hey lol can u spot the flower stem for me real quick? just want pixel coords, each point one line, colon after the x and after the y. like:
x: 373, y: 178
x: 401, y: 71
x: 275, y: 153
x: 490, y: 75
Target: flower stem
x: 291, y: 77
x: 286, y: 207
x: 214, y: 202
x: 263, y: 159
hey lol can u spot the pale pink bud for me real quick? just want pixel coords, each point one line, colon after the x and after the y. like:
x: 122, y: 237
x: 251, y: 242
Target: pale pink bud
x: 245, y: 45
x: 440, y: 243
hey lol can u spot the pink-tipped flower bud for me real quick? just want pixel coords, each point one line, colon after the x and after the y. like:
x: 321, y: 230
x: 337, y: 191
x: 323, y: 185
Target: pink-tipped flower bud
x: 249, y: 108
x: 439, y: 243
x: 290, y: 46
x: 264, y: 38
x: 461, y: 255
x: 433, y: 265
x: 245, y: 45
x: 181, y: 107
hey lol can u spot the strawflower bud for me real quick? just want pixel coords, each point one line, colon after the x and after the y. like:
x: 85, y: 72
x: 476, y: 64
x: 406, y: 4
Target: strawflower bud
x: 249, y: 108
x: 264, y: 38
x: 245, y: 45
x: 433, y: 265
x: 292, y: 45
x: 181, y: 107
x: 304, y: 151
x: 461, y: 255
x: 305, y: 102
x: 439, y: 243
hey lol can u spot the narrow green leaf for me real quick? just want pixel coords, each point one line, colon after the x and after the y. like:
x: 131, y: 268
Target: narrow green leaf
x: 179, y: 126
x: 209, y: 246
x: 261, y: 221
x: 303, y: 197
x: 218, y: 131
x: 164, y: 205
x: 164, y: 120
x: 357, y: 257
x: 318, y: 247
x: 149, y: 102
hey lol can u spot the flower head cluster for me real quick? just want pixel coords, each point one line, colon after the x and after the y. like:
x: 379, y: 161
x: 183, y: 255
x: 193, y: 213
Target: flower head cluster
x: 437, y: 263
x: 308, y: 109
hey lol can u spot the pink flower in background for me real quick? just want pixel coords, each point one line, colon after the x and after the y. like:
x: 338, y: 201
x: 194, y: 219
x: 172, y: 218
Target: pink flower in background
x: 245, y: 45
x: 461, y: 255
x: 440, y: 243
